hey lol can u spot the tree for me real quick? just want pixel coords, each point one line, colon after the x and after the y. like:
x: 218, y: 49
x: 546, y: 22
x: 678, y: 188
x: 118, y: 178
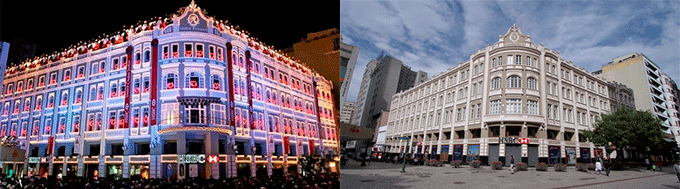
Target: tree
x: 628, y: 128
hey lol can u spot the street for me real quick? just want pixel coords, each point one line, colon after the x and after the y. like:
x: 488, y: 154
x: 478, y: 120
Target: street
x: 385, y: 175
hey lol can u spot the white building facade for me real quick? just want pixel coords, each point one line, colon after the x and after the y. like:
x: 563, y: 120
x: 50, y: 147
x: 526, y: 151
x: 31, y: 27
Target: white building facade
x: 488, y: 106
x: 183, y: 97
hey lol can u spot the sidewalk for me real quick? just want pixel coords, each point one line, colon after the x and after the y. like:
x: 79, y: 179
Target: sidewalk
x: 384, y: 175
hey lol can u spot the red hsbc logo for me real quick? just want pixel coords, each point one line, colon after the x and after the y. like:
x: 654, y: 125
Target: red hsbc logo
x: 213, y: 159
x: 524, y: 140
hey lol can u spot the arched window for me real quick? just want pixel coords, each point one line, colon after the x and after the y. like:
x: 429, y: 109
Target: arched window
x: 147, y: 55
x: 79, y: 96
x: 170, y: 80
x: 194, y: 80
x: 496, y: 83
x: 138, y: 58
x: 216, y: 82
x: 514, y: 82
x: 531, y: 83
x: 114, y: 90
x: 100, y: 93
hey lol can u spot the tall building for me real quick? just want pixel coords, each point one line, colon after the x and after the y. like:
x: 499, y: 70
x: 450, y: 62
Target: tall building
x: 348, y: 58
x: 639, y: 73
x: 4, y: 54
x: 183, y: 97
x: 672, y: 101
x: 388, y: 77
x: 346, y: 112
x: 363, y: 90
x: 510, y: 98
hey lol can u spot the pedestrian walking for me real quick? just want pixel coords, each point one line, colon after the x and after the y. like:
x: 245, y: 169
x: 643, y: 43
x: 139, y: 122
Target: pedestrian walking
x: 677, y: 170
x: 512, y: 164
x: 598, y: 167
x: 607, y: 166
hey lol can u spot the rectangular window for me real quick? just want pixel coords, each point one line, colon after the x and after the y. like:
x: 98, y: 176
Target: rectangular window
x: 513, y: 106
x: 166, y: 52
x: 532, y: 107
x: 188, y: 50
x: 495, y: 107
x: 175, y: 51
x: 509, y: 60
x: 518, y: 59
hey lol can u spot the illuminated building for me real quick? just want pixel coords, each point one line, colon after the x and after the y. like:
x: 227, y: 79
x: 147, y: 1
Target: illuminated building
x: 186, y: 96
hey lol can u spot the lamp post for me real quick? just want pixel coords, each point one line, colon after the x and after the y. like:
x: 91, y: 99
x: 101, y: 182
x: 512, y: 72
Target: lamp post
x: 403, y: 155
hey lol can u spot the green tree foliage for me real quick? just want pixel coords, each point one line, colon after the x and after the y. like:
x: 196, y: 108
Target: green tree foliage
x: 627, y: 128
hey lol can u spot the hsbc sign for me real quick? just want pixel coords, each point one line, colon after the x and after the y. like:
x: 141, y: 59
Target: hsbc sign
x: 213, y: 159
x: 513, y: 140
x: 191, y: 158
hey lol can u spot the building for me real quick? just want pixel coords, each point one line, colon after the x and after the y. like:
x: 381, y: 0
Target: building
x: 4, y: 54
x: 320, y: 51
x: 348, y: 58
x: 672, y: 101
x: 621, y: 96
x: 363, y: 91
x: 389, y: 76
x: 510, y: 98
x: 639, y: 73
x: 188, y: 96
x: 346, y: 112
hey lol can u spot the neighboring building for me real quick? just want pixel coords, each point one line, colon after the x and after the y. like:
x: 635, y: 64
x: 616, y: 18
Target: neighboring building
x: 639, y: 73
x: 227, y: 105
x: 348, y: 58
x: 320, y: 52
x: 672, y: 101
x: 346, y: 112
x: 621, y: 96
x: 514, y: 89
x: 363, y: 90
x: 4, y: 54
x: 390, y: 76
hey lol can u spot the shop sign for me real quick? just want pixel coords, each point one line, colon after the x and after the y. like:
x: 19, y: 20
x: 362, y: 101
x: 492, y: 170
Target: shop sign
x: 191, y: 158
x: 33, y: 159
x: 513, y: 140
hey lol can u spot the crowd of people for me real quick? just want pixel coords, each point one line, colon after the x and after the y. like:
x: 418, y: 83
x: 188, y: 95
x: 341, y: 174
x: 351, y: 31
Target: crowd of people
x: 318, y: 180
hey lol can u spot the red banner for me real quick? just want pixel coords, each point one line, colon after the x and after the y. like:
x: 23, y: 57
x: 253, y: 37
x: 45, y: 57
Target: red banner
x: 286, y: 145
x: 154, y: 78
x: 311, y: 147
x: 128, y: 81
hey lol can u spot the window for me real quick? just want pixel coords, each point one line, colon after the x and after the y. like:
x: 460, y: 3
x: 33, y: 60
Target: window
x: 115, y: 64
x: 146, y: 84
x: 513, y: 106
x: 114, y: 90
x: 121, y: 85
x: 472, y: 111
x: 216, y: 82
x: 188, y: 50
x: 79, y: 95
x: 496, y: 83
x: 211, y: 52
x: 495, y: 107
x: 102, y: 67
x: 166, y: 52
x: 493, y: 62
x: 531, y: 83
x: 29, y: 84
x: 518, y: 59
x: 137, y: 86
x: 199, y: 50
x: 138, y: 58
x: 100, y: 92
x: 514, y: 82
x: 135, y: 118
x: 556, y: 113
x: 147, y: 56
x: 500, y: 60
x: 67, y: 75
x: 548, y: 112
x: 532, y: 107
x: 175, y: 51
x: 170, y: 80
x: 509, y: 60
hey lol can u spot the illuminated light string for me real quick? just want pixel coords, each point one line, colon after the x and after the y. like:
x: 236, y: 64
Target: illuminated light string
x: 107, y: 40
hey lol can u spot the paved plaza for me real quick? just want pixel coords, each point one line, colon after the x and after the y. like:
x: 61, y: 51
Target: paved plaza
x: 386, y: 175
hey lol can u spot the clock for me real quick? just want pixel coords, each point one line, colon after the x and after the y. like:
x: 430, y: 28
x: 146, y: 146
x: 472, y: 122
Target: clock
x: 193, y: 19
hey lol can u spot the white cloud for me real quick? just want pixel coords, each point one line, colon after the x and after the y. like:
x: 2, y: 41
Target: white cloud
x: 433, y: 36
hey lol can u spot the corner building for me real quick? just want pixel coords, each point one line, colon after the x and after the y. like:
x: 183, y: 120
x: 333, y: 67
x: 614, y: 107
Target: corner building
x: 183, y: 97
x: 483, y: 107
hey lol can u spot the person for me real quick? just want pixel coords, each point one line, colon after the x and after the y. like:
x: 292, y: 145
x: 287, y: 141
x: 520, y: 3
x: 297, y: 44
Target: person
x: 607, y: 166
x: 512, y: 164
x: 677, y: 170
x: 598, y: 166
x: 395, y: 159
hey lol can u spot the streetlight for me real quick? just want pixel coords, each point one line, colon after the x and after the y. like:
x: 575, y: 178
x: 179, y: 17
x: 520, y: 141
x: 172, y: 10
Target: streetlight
x: 403, y: 155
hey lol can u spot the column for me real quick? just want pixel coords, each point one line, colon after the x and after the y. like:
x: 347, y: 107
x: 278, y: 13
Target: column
x: 155, y: 167
x: 181, y: 150
x: 212, y: 148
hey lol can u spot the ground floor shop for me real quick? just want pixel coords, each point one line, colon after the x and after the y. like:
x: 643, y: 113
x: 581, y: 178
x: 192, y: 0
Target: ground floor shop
x: 175, y: 155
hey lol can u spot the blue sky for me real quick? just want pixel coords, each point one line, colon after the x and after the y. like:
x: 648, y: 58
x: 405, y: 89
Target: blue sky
x: 435, y: 35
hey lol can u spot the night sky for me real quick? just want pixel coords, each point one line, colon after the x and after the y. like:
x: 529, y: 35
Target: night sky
x: 54, y: 25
